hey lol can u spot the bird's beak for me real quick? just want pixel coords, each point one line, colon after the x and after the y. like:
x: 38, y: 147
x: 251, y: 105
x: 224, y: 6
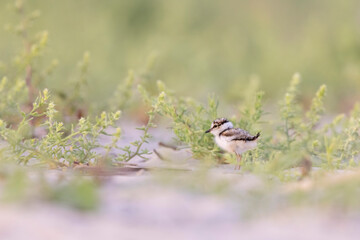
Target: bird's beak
x: 207, y: 131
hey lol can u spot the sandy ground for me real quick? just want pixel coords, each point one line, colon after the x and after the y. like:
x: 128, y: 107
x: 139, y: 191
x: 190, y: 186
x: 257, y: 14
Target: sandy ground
x: 141, y: 206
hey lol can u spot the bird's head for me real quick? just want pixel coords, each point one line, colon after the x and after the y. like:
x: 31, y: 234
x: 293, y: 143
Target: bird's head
x: 219, y: 125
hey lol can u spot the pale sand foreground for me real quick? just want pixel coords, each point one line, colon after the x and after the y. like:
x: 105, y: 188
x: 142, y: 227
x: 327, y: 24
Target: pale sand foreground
x: 146, y: 206
x: 139, y: 208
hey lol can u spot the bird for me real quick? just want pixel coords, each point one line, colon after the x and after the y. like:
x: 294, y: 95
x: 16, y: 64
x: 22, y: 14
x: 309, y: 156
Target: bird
x: 233, y: 140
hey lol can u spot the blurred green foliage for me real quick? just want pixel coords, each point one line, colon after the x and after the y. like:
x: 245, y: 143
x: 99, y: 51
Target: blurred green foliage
x: 78, y: 192
x: 202, y: 45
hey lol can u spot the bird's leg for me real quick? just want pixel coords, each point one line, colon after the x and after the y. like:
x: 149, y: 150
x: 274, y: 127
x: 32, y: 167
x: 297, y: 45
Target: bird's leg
x: 238, y: 159
x: 239, y: 162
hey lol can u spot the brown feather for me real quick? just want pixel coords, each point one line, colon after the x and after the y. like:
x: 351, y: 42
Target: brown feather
x: 237, y: 134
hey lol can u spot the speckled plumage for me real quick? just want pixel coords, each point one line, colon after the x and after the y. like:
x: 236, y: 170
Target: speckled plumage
x: 238, y: 134
x: 230, y: 139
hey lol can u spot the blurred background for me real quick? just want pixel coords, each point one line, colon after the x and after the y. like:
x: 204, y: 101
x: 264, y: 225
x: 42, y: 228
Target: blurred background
x: 203, y: 46
x: 231, y: 48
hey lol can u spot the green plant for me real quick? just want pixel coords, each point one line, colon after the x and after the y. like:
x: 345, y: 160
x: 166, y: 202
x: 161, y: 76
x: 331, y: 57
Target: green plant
x: 189, y: 119
x: 56, y: 148
x: 298, y: 134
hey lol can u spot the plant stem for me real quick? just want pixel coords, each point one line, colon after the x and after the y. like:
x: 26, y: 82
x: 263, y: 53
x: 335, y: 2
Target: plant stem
x: 143, y: 139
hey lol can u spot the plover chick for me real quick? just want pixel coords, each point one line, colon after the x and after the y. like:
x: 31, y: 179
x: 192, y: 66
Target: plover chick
x: 233, y: 140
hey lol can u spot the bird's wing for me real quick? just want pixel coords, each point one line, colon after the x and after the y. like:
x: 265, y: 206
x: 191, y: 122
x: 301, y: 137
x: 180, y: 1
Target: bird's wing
x: 237, y: 134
